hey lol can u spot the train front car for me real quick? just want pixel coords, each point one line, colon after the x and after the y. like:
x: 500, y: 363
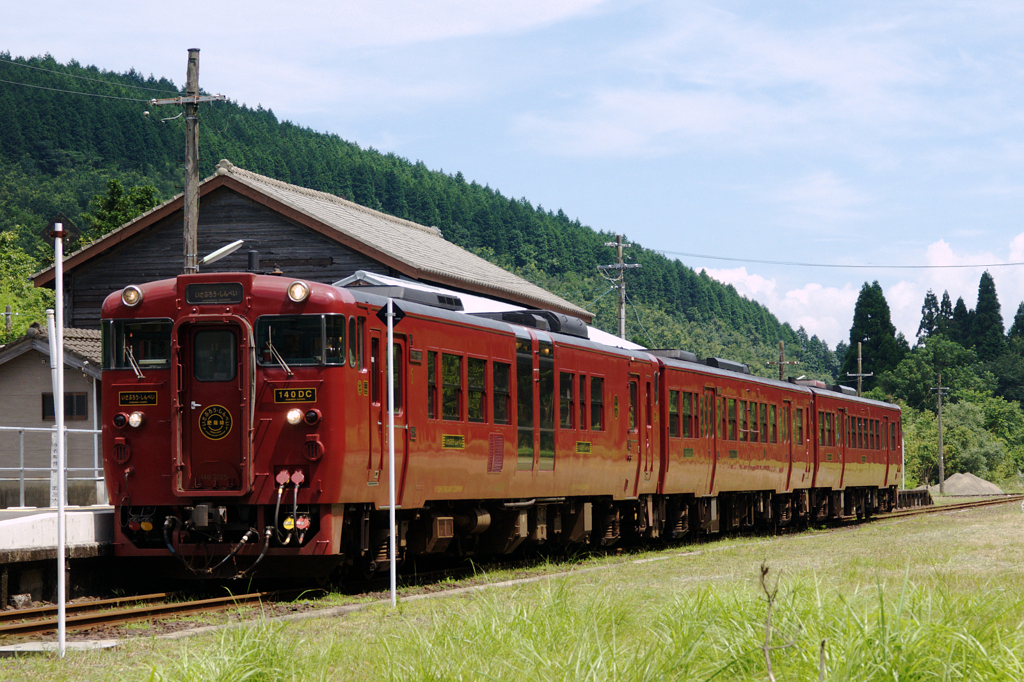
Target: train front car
x: 214, y: 395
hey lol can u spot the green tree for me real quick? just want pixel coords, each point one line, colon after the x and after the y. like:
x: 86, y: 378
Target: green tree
x: 874, y: 330
x: 987, y: 324
x: 960, y: 326
x: 929, y: 316
x: 28, y: 304
x: 913, y: 379
x: 1017, y: 328
x: 117, y: 207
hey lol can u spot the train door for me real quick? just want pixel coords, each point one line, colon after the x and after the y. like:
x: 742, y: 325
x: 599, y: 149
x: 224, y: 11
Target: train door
x: 648, y: 439
x: 886, y: 448
x: 637, y: 431
x: 214, y: 404
x: 787, y: 440
x: 708, y: 422
x: 379, y: 451
x: 840, y: 442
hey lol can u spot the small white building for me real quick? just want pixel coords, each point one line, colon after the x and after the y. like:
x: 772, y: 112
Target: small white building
x: 26, y: 402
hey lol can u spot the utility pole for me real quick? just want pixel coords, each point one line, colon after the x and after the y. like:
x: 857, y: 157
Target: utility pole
x: 621, y: 279
x: 782, y: 362
x: 860, y: 370
x: 191, y: 101
x: 942, y: 465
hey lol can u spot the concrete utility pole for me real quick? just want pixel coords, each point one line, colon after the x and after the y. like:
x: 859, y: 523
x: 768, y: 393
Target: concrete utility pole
x: 621, y: 279
x: 782, y: 362
x: 860, y: 370
x: 942, y: 465
x: 191, y: 101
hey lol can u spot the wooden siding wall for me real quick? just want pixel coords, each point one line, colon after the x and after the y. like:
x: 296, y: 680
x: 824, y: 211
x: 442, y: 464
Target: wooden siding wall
x: 224, y: 216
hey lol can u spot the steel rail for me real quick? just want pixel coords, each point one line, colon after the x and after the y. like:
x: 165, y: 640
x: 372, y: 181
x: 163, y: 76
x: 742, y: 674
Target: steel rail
x: 132, y: 615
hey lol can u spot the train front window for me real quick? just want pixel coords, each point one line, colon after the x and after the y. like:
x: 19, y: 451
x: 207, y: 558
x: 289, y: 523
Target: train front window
x: 147, y: 343
x: 300, y: 340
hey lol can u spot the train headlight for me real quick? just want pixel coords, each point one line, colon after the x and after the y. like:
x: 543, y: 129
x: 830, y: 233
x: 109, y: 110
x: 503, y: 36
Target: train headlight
x: 136, y: 419
x: 298, y: 292
x: 294, y: 416
x: 131, y: 296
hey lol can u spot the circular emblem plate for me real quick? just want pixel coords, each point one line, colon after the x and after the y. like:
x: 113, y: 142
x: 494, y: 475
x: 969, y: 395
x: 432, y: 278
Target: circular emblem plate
x: 215, y: 422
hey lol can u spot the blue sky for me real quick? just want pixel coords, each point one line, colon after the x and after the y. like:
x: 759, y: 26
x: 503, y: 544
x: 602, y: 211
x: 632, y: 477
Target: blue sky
x: 844, y: 134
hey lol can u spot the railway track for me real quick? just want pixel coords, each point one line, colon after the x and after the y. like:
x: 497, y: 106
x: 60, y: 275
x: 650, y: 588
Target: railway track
x: 112, y: 612
x: 120, y: 611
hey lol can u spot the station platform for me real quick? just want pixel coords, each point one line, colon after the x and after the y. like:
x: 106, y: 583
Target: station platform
x: 28, y: 545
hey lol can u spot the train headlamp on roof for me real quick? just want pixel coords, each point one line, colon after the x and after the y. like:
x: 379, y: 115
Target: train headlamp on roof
x: 298, y: 292
x: 131, y: 296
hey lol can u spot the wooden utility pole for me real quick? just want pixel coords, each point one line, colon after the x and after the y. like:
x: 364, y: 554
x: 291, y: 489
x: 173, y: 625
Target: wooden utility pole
x: 191, y: 102
x: 942, y: 465
x: 782, y: 362
x: 621, y: 279
x: 192, y: 164
x: 860, y: 370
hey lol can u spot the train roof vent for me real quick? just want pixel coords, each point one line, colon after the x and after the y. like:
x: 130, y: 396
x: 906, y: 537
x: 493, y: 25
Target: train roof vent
x: 813, y: 383
x: 731, y: 365
x: 430, y: 298
x: 545, y: 320
x: 675, y: 354
x: 845, y: 390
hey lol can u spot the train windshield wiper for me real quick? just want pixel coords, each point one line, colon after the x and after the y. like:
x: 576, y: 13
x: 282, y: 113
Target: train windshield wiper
x: 134, y: 364
x: 273, y: 351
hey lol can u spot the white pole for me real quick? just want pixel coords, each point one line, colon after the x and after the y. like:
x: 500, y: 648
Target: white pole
x: 56, y: 333
x: 391, y: 451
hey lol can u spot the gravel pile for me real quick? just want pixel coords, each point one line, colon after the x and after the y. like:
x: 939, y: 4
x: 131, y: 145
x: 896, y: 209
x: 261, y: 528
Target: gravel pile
x: 967, y: 484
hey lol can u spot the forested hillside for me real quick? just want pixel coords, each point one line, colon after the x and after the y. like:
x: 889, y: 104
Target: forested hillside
x: 59, y: 148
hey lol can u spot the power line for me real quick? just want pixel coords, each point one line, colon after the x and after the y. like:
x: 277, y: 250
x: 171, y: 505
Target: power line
x: 836, y: 266
x: 75, y: 92
x: 84, y: 78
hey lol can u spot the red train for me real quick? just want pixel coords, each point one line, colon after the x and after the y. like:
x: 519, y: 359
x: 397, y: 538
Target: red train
x: 245, y: 422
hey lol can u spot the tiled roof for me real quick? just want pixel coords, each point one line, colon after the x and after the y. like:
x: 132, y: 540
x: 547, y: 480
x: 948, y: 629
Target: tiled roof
x: 84, y: 343
x: 423, y: 248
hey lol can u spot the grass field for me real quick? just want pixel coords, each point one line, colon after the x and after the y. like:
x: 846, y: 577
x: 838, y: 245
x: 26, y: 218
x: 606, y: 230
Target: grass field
x: 939, y: 597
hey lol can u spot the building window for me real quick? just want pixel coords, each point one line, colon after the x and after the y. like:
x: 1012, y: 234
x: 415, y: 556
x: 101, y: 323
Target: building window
x: 76, y: 407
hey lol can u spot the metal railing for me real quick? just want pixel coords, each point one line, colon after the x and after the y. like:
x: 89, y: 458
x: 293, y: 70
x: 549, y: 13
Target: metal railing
x: 24, y: 474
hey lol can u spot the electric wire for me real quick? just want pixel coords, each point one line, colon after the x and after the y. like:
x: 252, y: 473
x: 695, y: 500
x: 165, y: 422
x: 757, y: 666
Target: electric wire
x: 86, y: 78
x: 75, y: 92
x: 837, y: 266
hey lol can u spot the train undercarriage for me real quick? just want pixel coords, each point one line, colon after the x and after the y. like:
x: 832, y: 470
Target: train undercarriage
x: 213, y: 540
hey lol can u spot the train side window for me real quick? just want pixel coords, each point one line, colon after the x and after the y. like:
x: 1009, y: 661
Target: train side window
x: 632, y: 406
x: 334, y: 339
x: 892, y: 437
x: 755, y: 414
x: 799, y: 426
x: 524, y: 405
x: 583, y: 402
x: 773, y: 424
x: 431, y: 384
x: 567, y: 407
x: 720, y: 421
x: 730, y: 411
x: 476, y: 405
x: 821, y: 427
x: 451, y: 391
x: 744, y: 429
x: 596, y: 404
x: 374, y: 363
x: 687, y: 412
x: 396, y: 370
x: 352, y: 349
x: 502, y: 394
x: 673, y: 413
x: 764, y: 422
